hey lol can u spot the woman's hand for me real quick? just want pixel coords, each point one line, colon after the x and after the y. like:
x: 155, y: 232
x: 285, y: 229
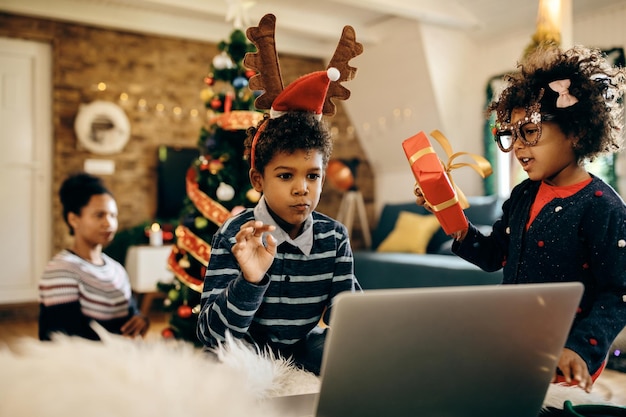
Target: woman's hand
x: 137, y: 326
x: 253, y: 256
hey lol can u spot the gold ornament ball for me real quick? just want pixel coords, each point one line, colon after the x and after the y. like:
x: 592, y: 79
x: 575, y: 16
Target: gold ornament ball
x: 253, y: 195
x: 339, y: 175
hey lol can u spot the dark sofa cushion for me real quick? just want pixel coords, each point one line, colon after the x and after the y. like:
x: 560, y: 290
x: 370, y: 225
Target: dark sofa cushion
x: 483, y: 210
x: 376, y: 270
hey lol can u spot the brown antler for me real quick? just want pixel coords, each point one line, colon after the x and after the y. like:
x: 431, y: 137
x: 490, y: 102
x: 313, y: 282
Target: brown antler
x: 265, y: 62
x: 347, y: 48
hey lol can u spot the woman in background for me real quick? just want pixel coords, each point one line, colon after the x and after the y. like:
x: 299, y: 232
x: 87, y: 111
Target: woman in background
x: 81, y: 284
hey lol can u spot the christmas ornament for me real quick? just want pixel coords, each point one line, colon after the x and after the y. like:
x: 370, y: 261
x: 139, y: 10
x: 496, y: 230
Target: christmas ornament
x: 206, y: 95
x: 184, y: 311
x: 184, y: 262
x: 240, y: 82
x: 253, y: 195
x: 172, y: 294
x: 222, y: 61
x: 216, y: 166
x: 200, y: 222
x: 225, y: 192
x: 167, y: 333
x: 339, y: 175
x: 216, y: 103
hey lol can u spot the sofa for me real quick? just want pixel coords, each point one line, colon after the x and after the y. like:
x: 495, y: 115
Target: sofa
x: 409, y: 249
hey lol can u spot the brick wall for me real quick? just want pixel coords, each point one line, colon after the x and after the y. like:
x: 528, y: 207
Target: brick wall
x: 160, y: 70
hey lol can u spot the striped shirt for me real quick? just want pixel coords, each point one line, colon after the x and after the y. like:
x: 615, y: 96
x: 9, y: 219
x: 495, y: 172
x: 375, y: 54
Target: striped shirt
x: 102, y: 291
x: 300, y: 286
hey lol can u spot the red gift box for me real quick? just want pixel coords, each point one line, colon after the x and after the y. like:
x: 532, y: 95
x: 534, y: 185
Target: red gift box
x: 433, y: 180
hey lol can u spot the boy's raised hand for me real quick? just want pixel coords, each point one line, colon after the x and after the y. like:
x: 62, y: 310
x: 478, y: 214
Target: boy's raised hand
x: 253, y: 256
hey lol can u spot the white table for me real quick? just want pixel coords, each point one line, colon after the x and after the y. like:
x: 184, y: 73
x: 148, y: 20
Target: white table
x: 146, y: 266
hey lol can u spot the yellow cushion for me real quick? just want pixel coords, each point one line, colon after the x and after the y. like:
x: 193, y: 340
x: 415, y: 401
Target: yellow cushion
x: 411, y: 233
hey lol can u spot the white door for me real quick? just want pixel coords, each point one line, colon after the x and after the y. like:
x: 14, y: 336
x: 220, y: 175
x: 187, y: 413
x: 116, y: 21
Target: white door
x: 25, y: 167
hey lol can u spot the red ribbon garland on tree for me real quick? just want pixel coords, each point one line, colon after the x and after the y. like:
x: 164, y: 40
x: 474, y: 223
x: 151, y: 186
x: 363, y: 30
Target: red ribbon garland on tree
x: 209, y: 208
x: 187, y: 240
x: 192, y: 282
x: 190, y: 242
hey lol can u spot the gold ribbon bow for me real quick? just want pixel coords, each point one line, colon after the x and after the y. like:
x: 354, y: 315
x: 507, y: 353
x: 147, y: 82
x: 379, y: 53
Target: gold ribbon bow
x: 480, y: 165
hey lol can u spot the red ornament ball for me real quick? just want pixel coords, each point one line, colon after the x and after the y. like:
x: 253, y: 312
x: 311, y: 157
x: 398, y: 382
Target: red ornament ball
x: 167, y: 333
x: 250, y: 73
x: 209, y: 80
x: 216, y: 103
x: 339, y: 175
x: 184, y: 311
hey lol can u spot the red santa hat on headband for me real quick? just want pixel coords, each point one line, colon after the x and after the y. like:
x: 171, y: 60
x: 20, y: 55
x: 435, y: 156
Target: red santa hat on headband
x: 306, y: 94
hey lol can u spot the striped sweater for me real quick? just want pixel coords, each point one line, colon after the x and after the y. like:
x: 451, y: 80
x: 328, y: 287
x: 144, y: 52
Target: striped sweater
x: 73, y: 291
x: 297, y: 290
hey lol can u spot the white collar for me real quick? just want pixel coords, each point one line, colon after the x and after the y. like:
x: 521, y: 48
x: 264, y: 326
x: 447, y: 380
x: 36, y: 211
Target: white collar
x: 304, y: 241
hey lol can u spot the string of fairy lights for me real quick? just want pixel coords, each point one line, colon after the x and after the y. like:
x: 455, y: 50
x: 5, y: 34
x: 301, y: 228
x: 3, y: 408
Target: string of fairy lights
x: 139, y: 103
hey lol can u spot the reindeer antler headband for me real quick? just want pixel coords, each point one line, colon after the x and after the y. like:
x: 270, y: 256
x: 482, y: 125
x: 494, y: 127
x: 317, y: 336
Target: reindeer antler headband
x: 312, y: 92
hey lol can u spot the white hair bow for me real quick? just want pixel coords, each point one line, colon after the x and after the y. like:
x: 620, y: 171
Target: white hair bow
x: 565, y: 99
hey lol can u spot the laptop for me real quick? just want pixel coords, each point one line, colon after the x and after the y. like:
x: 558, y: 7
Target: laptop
x: 487, y: 350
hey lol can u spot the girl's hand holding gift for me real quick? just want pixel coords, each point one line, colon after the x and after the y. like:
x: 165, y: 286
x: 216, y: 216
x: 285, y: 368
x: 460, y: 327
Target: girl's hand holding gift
x: 420, y: 200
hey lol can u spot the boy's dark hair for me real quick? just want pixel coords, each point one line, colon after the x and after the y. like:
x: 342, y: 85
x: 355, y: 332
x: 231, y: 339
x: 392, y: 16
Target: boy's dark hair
x: 595, y: 120
x: 288, y: 133
x: 76, y: 191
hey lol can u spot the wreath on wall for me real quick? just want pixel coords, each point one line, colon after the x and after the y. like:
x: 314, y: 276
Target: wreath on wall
x: 102, y: 127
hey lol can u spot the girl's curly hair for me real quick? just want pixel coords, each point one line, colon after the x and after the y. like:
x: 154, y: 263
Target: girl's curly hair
x: 288, y: 133
x: 596, y: 120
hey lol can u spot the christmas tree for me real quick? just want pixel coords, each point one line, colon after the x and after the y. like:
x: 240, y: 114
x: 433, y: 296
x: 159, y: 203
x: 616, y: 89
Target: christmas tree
x: 217, y: 182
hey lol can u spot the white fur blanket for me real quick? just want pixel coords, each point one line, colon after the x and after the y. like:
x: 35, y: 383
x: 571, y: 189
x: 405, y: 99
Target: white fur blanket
x: 121, y: 377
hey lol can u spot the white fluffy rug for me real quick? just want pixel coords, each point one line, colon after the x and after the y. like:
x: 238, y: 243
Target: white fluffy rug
x: 121, y: 377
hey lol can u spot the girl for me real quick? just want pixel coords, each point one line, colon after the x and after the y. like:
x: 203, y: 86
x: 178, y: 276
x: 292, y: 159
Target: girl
x: 562, y: 223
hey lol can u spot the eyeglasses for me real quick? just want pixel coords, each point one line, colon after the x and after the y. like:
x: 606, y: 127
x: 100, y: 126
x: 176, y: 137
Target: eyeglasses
x: 527, y: 130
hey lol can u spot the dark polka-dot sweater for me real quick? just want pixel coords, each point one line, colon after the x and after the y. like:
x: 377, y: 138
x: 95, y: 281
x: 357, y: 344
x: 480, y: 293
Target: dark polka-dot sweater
x: 578, y: 238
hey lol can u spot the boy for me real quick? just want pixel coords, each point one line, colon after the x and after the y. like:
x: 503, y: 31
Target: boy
x: 274, y: 270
